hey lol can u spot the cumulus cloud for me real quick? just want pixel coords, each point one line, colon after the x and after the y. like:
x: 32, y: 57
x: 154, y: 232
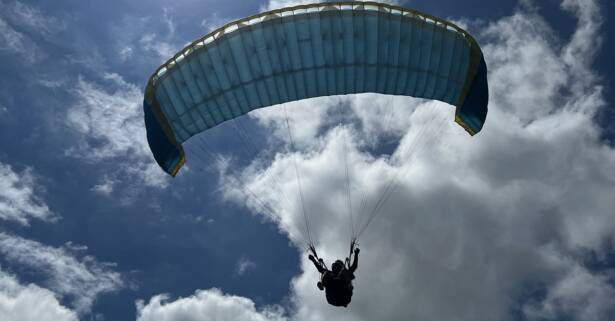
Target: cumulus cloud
x: 205, y: 305
x: 30, y: 302
x: 67, y: 272
x: 110, y: 121
x: 18, y: 201
x: 491, y: 227
x: 305, y: 118
x: 579, y: 293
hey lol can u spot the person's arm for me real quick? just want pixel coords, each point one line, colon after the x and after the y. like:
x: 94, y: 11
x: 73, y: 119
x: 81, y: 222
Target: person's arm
x: 317, y: 264
x: 355, y: 263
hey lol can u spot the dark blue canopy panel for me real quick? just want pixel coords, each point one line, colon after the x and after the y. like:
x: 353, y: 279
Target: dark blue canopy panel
x: 309, y: 51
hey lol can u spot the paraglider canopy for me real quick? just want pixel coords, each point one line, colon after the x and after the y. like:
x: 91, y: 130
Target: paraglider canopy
x: 308, y: 51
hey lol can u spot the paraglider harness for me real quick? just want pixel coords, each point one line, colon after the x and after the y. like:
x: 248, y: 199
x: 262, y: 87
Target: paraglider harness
x: 336, y: 277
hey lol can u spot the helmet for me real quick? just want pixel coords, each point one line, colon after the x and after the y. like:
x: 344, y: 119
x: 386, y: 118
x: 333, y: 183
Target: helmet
x: 337, y: 266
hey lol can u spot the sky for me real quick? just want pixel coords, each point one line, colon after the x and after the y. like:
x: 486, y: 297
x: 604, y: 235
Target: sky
x: 515, y: 223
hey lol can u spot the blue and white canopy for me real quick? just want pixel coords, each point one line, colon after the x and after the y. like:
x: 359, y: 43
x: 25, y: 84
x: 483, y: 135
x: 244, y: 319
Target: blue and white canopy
x: 309, y: 51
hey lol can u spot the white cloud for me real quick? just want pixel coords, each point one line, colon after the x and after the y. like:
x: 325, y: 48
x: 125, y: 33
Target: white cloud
x: 147, y: 38
x: 32, y: 18
x: 125, y: 53
x: 205, y: 305
x: 590, y: 21
x: 214, y: 21
x: 162, y: 44
x: 105, y: 187
x: 111, y: 116
x: 168, y: 19
x: 30, y: 302
x: 67, y: 272
x: 16, y: 42
x: 17, y: 199
x: 110, y: 121
x: 51, y: 83
x: 579, y: 293
x: 395, y: 115
x: 306, y: 118
x: 18, y: 21
x: 163, y: 48
x: 244, y: 265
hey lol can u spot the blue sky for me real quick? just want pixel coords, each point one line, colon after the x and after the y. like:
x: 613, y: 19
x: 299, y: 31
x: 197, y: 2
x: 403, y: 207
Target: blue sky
x: 516, y: 224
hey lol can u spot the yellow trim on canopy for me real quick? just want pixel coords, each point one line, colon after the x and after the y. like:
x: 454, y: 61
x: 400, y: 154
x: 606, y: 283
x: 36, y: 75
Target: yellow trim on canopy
x: 463, y: 124
x: 179, y: 165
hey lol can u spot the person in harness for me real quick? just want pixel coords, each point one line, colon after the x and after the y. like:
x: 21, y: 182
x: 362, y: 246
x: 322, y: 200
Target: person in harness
x: 337, y: 282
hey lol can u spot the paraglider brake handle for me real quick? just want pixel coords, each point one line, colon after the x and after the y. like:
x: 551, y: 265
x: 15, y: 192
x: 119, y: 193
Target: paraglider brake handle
x: 354, y: 246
